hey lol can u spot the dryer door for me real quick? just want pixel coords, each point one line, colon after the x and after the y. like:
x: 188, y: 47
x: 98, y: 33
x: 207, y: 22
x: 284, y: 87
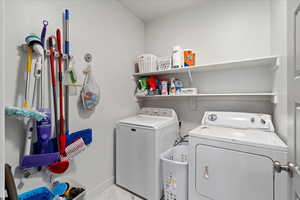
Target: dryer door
x: 224, y: 174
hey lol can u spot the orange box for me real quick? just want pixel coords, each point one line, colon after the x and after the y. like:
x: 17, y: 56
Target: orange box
x: 194, y: 60
x: 189, y: 58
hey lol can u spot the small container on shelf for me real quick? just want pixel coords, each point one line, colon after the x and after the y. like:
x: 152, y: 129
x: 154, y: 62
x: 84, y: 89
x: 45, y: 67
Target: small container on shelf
x: 147, y: 63
x: 177, y: 57
x: 164, y: 63
x: 189, y: 91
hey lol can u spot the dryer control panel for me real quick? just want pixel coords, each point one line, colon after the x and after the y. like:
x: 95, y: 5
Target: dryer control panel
x: 238, y: 120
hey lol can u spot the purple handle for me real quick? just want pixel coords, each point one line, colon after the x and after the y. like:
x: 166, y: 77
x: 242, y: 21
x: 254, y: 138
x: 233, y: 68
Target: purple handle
x: 43, y: 34
x: 44, y: 131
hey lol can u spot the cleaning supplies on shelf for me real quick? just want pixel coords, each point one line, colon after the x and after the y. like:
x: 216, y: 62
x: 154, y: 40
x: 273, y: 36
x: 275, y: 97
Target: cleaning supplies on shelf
x: 172, y: 90
x: 178, y: 86
x: 189, y: 58
x: 142, y: 86
x: 189, y: 91
x: 164, y: 87
x: 153, y: 90
x: 151, y: 86
x: 177, y: 57
x: 147, y: 63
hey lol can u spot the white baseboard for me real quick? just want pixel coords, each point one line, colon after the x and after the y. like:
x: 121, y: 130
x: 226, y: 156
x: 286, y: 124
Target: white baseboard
x: 94, y: 193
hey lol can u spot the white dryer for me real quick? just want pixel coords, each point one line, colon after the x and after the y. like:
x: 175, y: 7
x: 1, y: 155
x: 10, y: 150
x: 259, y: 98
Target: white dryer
x: 232, y: 156
x: 139, y: 142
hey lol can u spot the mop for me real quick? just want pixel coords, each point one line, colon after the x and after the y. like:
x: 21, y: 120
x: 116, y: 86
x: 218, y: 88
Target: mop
x: 61, y: 166
x: 23, y: 113
x: 76, y: 148
x: 85, y: 134
x: 43, y: 126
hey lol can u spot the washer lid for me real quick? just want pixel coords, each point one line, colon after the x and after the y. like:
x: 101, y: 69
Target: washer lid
x: 250, y: 137
x: 154, y: 122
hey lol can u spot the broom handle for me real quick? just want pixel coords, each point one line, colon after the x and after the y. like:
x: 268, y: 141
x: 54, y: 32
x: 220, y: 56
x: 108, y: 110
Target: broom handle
x: 53, y: 84
x: 10, y: 185
x: 28, y: 71
x: 67, y: 51
x: 62, y: 136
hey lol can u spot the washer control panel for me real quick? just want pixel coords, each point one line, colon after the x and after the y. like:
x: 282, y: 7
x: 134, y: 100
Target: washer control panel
x: 159, y: 112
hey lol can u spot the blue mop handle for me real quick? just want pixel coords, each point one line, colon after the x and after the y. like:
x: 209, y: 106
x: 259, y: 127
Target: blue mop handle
x: 67, y: 45
x: 67, y: 51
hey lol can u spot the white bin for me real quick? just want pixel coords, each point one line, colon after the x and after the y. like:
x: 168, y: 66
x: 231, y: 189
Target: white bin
x: 175, y: 173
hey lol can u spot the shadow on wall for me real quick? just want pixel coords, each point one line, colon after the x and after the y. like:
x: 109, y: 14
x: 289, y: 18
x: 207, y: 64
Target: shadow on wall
x: 14, y: 128
x: 20, y: 90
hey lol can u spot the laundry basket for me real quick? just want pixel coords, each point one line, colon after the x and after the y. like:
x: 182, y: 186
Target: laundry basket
x: 175, y: 173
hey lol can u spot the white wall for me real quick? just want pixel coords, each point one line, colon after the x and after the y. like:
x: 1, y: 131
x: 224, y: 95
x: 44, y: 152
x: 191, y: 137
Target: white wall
x: 114, y: 36
x: 2, y: 99
x: 279, y: 47
x: 216, y: 31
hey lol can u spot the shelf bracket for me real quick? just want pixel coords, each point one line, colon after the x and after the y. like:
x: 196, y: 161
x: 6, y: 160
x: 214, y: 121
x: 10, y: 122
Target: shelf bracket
x: 274, y: 99
x: 190, y: 76
x: 277, y: 64
x: 194, y: 103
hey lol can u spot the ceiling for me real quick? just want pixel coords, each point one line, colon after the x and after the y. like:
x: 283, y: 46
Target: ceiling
x: 150, y: 9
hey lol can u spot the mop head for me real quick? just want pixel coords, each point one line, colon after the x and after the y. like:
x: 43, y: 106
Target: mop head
x: 19, y: 112
x: 39, y: 160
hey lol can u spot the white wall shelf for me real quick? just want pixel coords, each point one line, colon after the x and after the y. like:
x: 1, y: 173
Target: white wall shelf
x: 210, y: 95
x: 257, y: 96
x: 269, y: 61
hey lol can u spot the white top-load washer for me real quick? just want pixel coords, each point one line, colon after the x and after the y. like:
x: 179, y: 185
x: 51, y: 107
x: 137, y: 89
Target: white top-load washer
x: 139, y: 142
x: 232, y: 156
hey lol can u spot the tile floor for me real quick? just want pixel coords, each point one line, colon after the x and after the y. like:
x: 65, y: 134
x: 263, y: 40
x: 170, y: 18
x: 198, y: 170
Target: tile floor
x: 116, y: 193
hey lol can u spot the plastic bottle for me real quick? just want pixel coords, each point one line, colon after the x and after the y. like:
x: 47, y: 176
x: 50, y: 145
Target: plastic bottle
x: 172, y: 87
x: 177, y: 57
